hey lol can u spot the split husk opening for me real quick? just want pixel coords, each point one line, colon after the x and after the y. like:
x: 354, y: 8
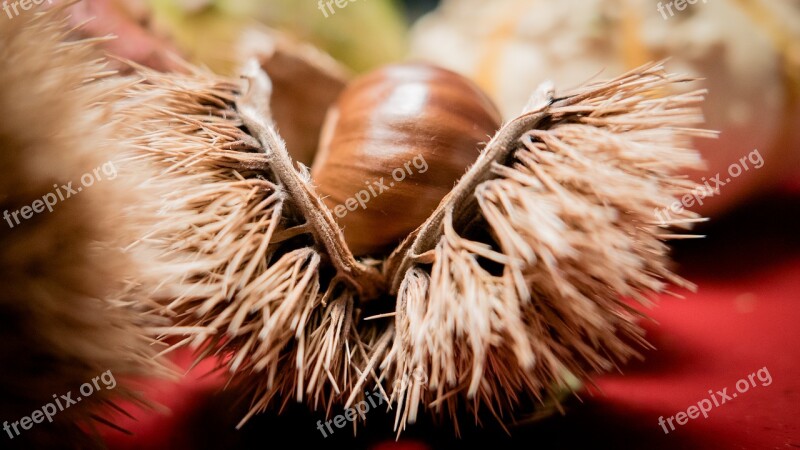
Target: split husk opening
x: 525, y: 275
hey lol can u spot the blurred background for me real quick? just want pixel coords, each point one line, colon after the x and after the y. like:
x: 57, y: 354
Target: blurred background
x: 742, y: 318
x: 746, y: 51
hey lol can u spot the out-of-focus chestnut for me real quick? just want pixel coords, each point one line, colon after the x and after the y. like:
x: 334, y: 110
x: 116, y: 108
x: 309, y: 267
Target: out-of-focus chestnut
x: 392, y: 147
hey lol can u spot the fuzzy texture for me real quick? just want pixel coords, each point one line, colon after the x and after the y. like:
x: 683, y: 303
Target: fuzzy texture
x: 253, y: 286
x: 529, y: 287
x: 519, y: 280
x: 65, y: 313
x: 517, y: 283
x: 523, y: 284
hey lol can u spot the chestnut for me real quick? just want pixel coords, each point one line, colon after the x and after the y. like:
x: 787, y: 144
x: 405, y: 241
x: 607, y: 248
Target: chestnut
x: 393, y: 145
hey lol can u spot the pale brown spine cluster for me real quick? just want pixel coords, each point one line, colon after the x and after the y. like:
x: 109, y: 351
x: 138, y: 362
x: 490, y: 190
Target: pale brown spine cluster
x: 66, y: 313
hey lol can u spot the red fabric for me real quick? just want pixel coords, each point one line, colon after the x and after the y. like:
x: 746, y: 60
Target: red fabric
x: 743, y: 318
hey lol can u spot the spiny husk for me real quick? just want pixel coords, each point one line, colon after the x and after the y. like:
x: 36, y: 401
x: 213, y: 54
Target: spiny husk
x: 253, y: 288
x: 65, y: 313
x: 567, y: 193
x: 513, y: 283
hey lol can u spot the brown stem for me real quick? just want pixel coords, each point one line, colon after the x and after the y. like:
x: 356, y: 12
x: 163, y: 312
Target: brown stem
x: 253, y: 107
x: 426, y: 237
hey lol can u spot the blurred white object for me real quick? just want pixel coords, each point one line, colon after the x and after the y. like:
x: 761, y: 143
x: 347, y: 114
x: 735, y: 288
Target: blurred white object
x: 747, y: 50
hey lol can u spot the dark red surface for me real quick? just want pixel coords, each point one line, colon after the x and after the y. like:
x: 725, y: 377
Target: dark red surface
x: 743, y: 318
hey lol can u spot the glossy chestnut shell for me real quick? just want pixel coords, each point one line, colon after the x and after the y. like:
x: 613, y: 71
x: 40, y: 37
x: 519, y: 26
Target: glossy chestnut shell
x: 393, y: 145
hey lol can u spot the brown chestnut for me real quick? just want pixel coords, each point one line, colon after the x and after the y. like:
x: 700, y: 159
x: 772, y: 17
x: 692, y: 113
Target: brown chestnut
x: 393, y: 145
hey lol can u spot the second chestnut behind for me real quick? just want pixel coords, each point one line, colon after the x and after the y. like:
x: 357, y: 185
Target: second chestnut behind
x: 393, y: 145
